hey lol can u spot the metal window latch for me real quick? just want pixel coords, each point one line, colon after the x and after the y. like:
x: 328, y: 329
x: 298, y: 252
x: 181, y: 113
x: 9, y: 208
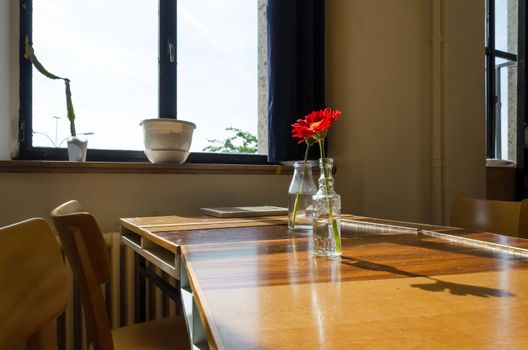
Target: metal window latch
x: 171, y: 51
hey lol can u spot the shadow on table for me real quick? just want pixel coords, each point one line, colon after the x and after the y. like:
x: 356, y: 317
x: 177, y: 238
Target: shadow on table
x: 436, y: 286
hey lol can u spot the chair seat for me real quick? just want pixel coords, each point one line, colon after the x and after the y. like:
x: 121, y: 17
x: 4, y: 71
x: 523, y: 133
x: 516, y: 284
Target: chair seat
x: 167, y: 333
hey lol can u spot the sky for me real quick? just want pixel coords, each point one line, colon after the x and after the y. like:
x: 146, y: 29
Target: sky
x: 109, y: 51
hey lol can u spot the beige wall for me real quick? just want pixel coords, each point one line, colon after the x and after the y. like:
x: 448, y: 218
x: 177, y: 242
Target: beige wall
x: 110, y: 197
x: 464, y: 129
x: 377, y: 74
x: 412, y: 133
x: 410, y: 139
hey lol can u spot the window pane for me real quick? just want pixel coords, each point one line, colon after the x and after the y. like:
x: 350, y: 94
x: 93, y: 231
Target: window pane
x: 109, y: 50
x: 506, y: 109
x: 217, y: 67
x: 506, y: 27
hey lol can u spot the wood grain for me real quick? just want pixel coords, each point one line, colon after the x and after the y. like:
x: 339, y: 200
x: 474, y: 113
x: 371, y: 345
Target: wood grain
x: 276, y: 262
x: 466, y: 311
x: 171, y: 232
x: 425, y: 287
x: 259, y: 287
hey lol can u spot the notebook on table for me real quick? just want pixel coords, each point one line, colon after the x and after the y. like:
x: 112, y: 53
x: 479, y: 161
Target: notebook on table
x: 240, y: 212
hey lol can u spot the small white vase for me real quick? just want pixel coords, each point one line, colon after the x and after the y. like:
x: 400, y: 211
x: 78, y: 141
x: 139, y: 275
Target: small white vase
x: 77, y: 149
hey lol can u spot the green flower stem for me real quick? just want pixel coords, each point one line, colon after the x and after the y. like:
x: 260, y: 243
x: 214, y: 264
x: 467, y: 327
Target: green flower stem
x: 300, y: 189
x: 330, y: 210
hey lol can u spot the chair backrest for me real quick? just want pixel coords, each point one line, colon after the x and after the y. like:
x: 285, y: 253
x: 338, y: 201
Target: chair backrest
x: 87, y: 253
x: 33, y: 285
x: 504, y: 217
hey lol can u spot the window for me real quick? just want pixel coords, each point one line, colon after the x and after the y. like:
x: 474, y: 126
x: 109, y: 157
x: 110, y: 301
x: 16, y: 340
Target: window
x: 217, y: 67
x: 111, y: 53
x: 112, y: 67
x: 502, y: 27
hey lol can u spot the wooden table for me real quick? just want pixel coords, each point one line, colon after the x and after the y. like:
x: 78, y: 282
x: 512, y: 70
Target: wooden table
x: 398, y: 285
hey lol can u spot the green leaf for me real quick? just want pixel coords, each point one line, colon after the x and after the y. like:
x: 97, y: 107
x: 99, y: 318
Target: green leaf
x: 29, y: 54
x: 249, y: 143
x: 69, y: 107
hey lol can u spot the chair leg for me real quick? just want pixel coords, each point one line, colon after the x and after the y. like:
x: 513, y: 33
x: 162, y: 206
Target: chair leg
x: 140, y: 292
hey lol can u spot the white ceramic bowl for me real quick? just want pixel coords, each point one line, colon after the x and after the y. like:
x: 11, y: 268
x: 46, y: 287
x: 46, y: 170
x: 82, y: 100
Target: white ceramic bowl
x: 166, y: 155
x: 167, y: 139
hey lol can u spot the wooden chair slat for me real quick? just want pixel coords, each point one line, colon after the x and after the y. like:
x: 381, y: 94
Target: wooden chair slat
x: 84, y: 245
x: 503, y: 217
x: 70, y: 214
x: 33, y: 284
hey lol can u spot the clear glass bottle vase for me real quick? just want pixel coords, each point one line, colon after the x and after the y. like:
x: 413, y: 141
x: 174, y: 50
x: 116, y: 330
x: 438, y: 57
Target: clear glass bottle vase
x: 326, y: 214
x: 302, y: 188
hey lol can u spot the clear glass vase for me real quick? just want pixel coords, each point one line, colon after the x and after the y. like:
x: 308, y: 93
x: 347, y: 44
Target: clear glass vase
x: 326, y: 214
x: 302, y: 188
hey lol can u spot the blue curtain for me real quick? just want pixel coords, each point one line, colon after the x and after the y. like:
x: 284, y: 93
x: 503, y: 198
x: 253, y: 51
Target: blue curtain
x: 295, y: 71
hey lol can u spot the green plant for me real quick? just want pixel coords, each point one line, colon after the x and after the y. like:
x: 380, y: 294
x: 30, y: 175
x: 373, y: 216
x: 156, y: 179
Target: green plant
x: 240, y: 142
x: 29, y: 54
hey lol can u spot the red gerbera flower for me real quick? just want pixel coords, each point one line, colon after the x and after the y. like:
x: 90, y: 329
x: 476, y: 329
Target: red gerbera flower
x: 314, y: 128
x: 315, y: 125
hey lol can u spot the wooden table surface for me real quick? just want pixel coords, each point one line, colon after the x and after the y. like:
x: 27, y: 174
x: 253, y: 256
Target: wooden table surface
x: 416, y: 287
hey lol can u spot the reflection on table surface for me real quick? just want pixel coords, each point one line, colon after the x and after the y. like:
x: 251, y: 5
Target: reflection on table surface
x: 401, y: 285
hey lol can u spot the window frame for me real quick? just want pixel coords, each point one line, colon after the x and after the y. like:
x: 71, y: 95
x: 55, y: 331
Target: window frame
x: 492, y: 54
x: 522, y: 92
x: 167, y: 107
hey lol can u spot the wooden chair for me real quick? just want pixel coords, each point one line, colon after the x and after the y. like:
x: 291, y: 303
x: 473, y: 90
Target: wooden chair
x: 86, y: 250
x: 504, y: 217
x: 33, y: 285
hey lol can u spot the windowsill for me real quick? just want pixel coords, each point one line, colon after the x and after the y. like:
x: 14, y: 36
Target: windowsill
x: 500, y: 163
x: 64, y: 167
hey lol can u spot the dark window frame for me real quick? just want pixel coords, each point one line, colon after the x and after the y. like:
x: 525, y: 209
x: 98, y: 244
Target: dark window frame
x: 166, y: 102
x: 522, y: 91
x: 491, y: 82
x: 522, y: 98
